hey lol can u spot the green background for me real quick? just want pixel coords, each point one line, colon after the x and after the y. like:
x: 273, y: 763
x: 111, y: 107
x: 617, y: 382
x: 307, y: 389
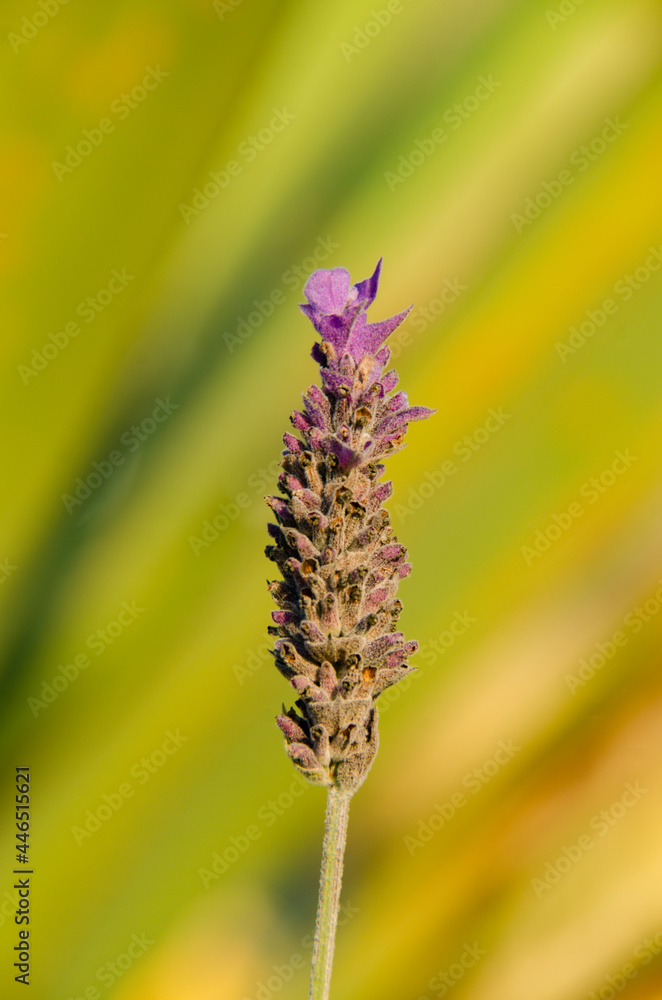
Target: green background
x: 504, y: 159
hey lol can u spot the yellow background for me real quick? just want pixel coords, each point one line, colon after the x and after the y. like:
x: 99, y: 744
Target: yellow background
x: 355, y: 175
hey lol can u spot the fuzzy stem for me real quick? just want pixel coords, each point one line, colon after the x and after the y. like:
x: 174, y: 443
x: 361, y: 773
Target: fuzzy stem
x: 335, y: 836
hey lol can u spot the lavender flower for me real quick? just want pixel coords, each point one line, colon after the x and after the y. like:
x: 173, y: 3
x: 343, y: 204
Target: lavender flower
x: 333, y: 540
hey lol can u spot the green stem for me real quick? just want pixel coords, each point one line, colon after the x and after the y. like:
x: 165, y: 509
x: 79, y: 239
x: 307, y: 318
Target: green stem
x: 335, y: 836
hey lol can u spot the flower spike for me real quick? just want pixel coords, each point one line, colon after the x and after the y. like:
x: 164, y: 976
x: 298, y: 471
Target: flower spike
x: 334, y: 544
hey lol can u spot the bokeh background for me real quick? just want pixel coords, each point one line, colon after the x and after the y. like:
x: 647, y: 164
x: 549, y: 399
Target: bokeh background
x: 172, y: 171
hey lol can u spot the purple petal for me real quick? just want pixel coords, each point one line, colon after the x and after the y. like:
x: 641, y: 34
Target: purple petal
x: 311, y: 631
x: 316, y: 413
x: 290, y: 728
x: 303, y: 756
x: 375, y: 599
x: 291, y: 443
x: 346, y: 456
x: 280, y: 508
x: 396, y: 658
x: 417, y: 413
x: 396, y: 421
x: 317, y: 407
x: 378, y: 648
x: 301, y: 543
x: 390, y: 380
x: 397, y: 402
x: 283, y: 617
x: 316, y: 396
x: 392, y: 552
x: 328, y: 290
x: 365, y: 337
x: 337, y: 384
x: 383, y: 492
x: 326, y: 678
x: 299, y: 421
x: 390, y: 425
x: 334, y: 329
x: 367, y: 289
x: 302, y: 685
x: 289, y: 482
x: 309, y: 499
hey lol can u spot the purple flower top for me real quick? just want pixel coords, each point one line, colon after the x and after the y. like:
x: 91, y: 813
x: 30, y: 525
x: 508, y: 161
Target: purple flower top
x: 337, y: 310
x: 352, y: 360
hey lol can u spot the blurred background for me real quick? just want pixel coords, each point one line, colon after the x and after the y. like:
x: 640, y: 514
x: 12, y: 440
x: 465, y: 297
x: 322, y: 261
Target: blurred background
x: 172, y: 172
